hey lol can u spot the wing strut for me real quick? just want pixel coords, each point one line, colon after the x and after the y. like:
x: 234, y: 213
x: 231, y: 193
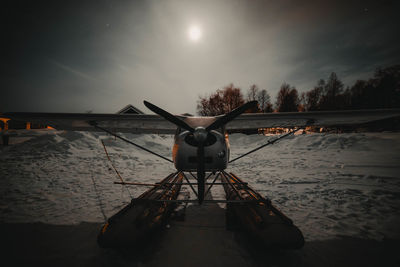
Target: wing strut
x: 268, y: 143
x: 94, y: 124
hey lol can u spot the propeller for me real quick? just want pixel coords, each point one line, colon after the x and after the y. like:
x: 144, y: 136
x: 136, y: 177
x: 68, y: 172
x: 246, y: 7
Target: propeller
x: 200, y: 134
x: 231, y: 115
x: 168, y: 116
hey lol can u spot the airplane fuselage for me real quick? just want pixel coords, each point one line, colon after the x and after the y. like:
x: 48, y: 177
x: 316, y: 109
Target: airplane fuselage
x: 216, y: 149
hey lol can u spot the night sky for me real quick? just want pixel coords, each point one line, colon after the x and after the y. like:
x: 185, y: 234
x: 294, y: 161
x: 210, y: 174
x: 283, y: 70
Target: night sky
x: 68, y: 56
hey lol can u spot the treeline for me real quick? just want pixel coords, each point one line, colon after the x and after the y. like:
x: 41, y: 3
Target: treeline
x: 380, y: 91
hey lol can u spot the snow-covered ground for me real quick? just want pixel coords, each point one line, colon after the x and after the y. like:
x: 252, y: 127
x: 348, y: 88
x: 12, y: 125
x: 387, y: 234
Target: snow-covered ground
x: 329, y: 184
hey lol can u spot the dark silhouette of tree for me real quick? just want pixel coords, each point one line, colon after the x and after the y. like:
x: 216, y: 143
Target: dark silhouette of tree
x: 233, y: 98
x: 209, y: 106
x: 302, y: 102
x: 346, y: 98
x: 381, y: 91
x: 361, y: 95
x: 264, y: 101
x: 263, y: 98
x: 387, y: 87
x: 287, y: 99
x: 221, y: 102
x: 202, y: 106
x: 331, y: 98
x: 313, y: 97
x: 252, y: 94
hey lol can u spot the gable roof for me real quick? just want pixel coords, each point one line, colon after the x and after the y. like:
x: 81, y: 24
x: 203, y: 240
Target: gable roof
x: 129, y: 109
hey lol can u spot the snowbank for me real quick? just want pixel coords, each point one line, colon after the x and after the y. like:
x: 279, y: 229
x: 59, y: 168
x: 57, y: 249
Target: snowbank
x: 329, y: 184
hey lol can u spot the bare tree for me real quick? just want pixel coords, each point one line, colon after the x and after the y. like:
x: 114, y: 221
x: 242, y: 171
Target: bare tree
x: 264, y: 101
x: 287, y: 99
x: 332, y: 91
x: 221, y: 102
x: 313, y: 97
x: 232, y: 97
x: 252, y: 93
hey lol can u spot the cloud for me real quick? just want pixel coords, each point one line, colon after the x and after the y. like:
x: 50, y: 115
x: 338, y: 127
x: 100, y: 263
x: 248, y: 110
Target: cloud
x: 118, y: 53
x: 73, y: 71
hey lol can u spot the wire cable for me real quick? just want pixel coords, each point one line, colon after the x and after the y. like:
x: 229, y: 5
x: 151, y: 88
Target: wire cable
x: 264, y: 145
x: 94, y: 124
x: 115, y: 169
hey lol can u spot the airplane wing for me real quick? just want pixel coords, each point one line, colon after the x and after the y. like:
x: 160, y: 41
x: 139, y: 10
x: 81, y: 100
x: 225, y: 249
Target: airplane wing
x: 316, y: 118
x: 131, y: 123
x: 144, y: 123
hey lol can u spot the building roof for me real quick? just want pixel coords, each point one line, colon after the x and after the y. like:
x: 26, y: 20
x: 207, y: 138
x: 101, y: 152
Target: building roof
x: 129, y: 109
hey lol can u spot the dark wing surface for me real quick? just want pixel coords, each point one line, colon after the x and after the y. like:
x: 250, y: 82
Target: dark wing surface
x: 317, y: 118
x: 143, y: 123
x: 130, y: 123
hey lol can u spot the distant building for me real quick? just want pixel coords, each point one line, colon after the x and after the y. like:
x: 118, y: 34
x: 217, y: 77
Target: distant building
x: 129, y: 109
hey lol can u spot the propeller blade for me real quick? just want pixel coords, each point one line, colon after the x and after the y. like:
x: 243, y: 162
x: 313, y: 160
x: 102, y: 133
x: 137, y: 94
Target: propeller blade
x: 231, y: 115
x: 168, y: 116
x: 200, y: 172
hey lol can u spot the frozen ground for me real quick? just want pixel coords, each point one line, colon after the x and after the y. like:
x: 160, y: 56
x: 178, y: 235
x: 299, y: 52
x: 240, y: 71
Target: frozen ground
x: 329, y: 184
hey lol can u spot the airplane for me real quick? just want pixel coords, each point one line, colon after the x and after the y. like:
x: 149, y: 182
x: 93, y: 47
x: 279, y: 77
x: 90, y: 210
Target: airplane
x: 201, y: 144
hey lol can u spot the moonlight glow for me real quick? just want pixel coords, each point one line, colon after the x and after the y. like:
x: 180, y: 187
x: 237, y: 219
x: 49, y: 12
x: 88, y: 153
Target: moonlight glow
x: 194, y: 33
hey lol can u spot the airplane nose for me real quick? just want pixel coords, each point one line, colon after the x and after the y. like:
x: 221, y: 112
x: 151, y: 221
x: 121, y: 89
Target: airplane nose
x: 200, y: 134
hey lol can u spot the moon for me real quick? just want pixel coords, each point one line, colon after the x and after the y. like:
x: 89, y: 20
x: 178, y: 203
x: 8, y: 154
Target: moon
x: 194, y: 33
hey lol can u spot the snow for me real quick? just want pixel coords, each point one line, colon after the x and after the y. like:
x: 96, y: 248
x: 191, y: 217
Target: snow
x: 328, y: 184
